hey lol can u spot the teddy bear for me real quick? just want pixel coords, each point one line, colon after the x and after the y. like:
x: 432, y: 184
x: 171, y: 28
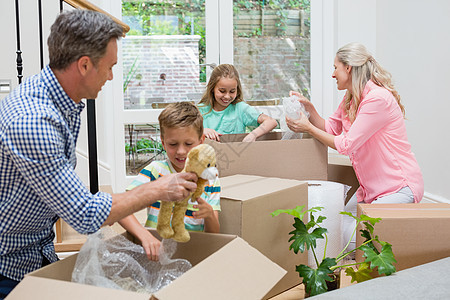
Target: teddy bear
x: 201, y: 160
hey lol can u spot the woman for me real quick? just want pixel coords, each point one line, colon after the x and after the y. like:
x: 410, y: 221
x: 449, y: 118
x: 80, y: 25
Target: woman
x: 369, y: 127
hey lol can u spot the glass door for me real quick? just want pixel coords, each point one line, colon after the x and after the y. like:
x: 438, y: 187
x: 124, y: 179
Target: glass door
x: 164, y: 61
x: 172, y: 47
x: 272, y: 50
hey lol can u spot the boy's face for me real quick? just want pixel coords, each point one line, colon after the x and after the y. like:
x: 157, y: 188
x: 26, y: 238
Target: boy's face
x: 178, y: 142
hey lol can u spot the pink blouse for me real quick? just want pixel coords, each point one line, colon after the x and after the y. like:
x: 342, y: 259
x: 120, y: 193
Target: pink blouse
x: 377, y: 145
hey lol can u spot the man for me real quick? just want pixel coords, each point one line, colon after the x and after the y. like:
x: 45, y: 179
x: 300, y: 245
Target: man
x: 39, y: 126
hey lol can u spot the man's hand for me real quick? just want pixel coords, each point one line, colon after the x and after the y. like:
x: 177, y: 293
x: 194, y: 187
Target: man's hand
x: 176, y: 187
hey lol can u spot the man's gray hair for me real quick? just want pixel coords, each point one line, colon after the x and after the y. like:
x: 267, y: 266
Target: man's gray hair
x: 78, y: 33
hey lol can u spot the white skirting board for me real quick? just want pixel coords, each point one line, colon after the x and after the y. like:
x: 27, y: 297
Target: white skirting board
x: 430, y: 198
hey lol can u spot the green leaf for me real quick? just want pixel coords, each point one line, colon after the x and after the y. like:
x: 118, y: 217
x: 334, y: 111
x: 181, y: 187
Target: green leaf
x: 373, y: 221
x: 301, y: 236
x: 320, y: 219
x: 369, y: 227
x: 348, y: 214
x: 384, y: 260
x: 362, y: 218
x: 315, y: 279
x: 362, y: 274
x: 296, y: 212
x: 365, y: 234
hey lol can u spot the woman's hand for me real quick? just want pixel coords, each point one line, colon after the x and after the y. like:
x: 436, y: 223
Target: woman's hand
x: 314, y: 116
x: 211, y: 134
x: 299, y: 125
x: 309, y: 107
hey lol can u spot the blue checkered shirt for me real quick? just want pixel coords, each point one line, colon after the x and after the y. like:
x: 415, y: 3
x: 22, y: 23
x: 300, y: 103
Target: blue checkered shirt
x: 39, y: 126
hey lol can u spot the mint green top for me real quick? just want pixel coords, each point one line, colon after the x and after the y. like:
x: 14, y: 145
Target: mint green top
x: 233, y: 119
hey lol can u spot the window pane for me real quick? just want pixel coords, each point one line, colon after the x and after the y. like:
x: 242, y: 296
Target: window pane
x: 142, y: 146
x: 163, y: 53
x: 272, y: 48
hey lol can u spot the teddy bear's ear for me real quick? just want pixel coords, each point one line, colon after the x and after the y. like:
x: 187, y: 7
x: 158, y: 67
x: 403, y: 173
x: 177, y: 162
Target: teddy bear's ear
x: 193, y: 154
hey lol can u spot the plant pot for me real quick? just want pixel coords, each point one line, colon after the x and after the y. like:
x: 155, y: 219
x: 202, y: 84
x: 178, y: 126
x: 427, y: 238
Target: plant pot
x: 331, y: 285
x: 335, y: 284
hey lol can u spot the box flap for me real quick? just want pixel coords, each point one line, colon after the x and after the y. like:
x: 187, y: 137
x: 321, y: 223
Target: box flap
x: 253, y: 186
x: 236, y: 271
x: 406, y: 211
x: 32, y: 287
x: 235, y: 138
x: 238, y: 179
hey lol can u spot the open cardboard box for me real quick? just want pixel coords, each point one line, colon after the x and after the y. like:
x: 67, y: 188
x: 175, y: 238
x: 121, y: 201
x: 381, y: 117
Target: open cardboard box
x: 419, y: 233
x: 224, y: 267
x: 247, y: 202
x: 301, y: 159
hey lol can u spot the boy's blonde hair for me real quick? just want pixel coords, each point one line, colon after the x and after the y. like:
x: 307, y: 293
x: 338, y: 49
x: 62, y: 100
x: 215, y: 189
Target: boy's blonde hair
x: 181, y: 114
x: 219, y: 72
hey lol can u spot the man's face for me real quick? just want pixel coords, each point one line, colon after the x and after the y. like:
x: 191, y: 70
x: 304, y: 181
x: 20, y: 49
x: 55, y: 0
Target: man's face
x: 102, y: 72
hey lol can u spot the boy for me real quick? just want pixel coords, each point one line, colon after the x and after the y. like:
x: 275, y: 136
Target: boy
x: 181, y: 127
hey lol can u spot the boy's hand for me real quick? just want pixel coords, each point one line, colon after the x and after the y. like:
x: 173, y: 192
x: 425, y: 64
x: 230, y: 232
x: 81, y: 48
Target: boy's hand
x: 205, y: 210
x: 211, y: 134
x: 151, y: 246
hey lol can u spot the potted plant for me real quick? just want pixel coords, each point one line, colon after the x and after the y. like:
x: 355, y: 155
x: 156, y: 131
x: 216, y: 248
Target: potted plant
x: 304, y: 236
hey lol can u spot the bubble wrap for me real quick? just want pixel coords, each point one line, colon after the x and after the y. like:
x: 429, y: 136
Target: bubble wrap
x: 291, y: 108
x: 110, y: 260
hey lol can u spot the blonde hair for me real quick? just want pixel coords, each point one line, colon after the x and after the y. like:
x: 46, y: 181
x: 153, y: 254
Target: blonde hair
x: 219, y: 72
x: 181, y: 114
x: 364, y: 68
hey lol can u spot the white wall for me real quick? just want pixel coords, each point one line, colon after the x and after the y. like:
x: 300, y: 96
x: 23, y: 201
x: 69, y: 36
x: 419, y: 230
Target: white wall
x: 413, y: 42
x: 411, y: 39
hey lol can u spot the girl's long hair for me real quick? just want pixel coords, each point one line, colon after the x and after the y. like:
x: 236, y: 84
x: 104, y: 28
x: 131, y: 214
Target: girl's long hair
x: 221, y: 71
x: 364, y: 68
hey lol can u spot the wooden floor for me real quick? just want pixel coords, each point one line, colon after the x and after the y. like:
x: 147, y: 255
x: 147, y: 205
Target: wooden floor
x: 298, y: 292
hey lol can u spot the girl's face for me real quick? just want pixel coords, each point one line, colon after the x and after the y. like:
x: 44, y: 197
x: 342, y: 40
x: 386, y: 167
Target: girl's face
x: 342, y: 75
x: 225, y: 92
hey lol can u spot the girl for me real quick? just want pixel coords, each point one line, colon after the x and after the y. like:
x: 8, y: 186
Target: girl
x: 369, y: 127
x: 224, y: 110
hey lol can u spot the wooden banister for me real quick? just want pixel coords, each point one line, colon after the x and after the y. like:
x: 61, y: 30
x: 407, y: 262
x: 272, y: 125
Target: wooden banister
x: 83, y: 4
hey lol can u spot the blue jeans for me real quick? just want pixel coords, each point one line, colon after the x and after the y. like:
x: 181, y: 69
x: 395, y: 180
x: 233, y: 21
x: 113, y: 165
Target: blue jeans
x: 7, y: 285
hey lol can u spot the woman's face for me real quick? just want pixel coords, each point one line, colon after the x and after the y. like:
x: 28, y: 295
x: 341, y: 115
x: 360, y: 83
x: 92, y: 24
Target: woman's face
x: 225, y: 92
x: 342, y: 74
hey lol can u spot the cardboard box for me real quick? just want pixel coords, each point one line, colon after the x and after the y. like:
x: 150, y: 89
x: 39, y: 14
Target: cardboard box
x: 301, y: 159
x: 247, y: 203
x: 419, y: 233
x: 224, y: 267
x: 340, y: 170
